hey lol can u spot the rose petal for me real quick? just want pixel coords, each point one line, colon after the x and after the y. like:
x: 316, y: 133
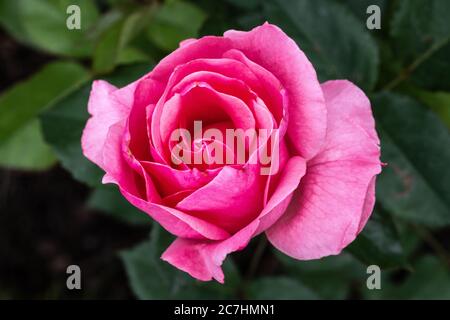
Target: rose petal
x: 123, y: 169
x: 267, y: 86
x: 145, y: 97
x: 177, y: 222
x: 105, y: 111
x: 221, y: 83
x: 201, y: 259
x: 336, y: 195
x: 133, y: 187
x: 287, y: 183
x: 201, y: 103
x: 231, y: 200
x: 226, y: 67
x: 270, y: 47
x: 170, y: 180
x: 208, y: 47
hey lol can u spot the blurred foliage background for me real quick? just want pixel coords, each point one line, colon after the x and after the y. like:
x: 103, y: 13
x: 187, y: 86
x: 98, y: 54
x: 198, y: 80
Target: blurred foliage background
x: 54, y: 211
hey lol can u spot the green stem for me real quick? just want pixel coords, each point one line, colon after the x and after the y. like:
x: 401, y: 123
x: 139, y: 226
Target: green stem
x: 256, y: 259
x: 434, y: 244
x: 253, y: 267
x: 405, y: 73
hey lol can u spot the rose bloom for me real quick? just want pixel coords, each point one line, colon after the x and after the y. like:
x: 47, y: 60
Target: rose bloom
x: 319, y: 192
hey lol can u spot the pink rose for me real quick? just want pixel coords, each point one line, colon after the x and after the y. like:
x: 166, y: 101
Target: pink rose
x: 319, y: 190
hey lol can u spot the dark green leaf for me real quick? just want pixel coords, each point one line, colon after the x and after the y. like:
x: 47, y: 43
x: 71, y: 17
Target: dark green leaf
x: 21, y: 142
x: 421, y: 34
x: 414, y: 143
x: 175, y: 21
x: 112, y: 46
x: 248, y: 4
x: 26, y: 100
x: 280, y: 288
x: 152, y: 278
x: 409, y: 238
x: 429, y: 280
x: 63, y: 125
x: 132, y: 55
x: 221, y: 16
x: 127, y: 74
x: 439, y: 102
x: 329, y: 277
x: 338, y: 45
x: 26, y: 149
x: 109, y: 200
x: 42, y: 23
x: 107, y: 49
x: 379, y: 243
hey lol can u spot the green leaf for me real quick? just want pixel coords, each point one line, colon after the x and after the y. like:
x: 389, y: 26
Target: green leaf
x: 21, y: 142
x: 221, y: 16
x: 127, y: 74
x: 10, y: 19
x: 152, y: 278
x: 112, y: 47
x: 248, y: 4
x: 249, y: 21
x: 64, y: 123
x: 42, y: 23
x: 410, y: 239
x: 62, y: 128
x: 175, y: 21
x: 26, y: 100
x: 26, y: 149
x: 429, y: 280
x: 338, y: 45
x: 379, y: 243
x: 439, y: 102
x: 420, y: 32
x: 107, y: 49
x: 109, y: 200
x: 329, y: 277
x: 132, y: 55
x: 279, y: 288
x: 414, y: 143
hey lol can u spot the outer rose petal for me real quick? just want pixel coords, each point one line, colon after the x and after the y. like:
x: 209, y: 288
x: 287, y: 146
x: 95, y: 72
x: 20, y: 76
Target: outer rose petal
x: 336, y: 196
x: 177, y: 222
x: 105, y: 111
x: 289, y: 179
x: 270, y: 47
x: 203, y: 259
x: 368, y: 204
